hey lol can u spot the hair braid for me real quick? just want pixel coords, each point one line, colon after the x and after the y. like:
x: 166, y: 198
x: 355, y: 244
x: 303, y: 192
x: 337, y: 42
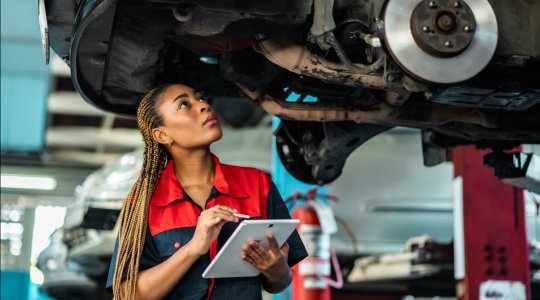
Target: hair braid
x: 133, y: 217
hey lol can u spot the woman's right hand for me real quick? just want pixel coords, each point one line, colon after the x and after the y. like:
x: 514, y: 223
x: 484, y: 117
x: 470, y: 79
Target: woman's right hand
x: 209, y: 225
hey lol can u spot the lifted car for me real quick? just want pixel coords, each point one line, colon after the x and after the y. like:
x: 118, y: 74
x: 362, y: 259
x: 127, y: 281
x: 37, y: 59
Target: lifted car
x: 336, y: 72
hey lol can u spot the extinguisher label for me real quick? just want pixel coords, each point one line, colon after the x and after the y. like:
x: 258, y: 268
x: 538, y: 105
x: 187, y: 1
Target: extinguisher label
x: 318, y: 248
x: 314, y: 283
x: 313, y: 266
x: 317, y: 244
x: 326, y: 217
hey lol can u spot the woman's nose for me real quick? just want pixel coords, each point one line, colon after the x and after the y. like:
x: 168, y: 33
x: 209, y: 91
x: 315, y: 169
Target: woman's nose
x: 204, y: 106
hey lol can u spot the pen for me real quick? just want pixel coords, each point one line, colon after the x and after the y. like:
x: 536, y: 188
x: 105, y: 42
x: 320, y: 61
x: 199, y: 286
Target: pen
x: 242, y: 216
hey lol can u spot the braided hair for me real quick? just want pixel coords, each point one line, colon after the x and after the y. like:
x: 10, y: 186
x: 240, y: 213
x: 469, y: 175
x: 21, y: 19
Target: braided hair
x: 133, y: 219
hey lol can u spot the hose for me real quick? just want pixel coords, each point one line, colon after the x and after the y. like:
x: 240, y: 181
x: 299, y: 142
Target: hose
x: 332, y: 41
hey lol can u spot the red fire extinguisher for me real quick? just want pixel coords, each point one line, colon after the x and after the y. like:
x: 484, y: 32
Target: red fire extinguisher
x: 311, y: 277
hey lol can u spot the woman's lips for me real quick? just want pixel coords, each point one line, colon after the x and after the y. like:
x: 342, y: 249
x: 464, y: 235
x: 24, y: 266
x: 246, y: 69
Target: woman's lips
x: 211, y: 122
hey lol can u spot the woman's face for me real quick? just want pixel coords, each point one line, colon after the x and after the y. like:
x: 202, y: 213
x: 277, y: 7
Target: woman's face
x: 188, y: 120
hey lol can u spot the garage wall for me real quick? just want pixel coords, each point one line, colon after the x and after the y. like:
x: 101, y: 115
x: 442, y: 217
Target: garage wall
x: 387, y: 195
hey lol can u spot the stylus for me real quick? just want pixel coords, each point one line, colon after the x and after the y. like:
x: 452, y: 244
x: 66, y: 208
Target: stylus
x: 242, y: 216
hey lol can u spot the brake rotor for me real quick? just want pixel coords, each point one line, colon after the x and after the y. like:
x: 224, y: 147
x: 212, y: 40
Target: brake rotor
x: 443, y: 41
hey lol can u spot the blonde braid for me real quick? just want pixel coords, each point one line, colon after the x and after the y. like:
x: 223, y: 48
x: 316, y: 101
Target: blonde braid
x: 133, y: 217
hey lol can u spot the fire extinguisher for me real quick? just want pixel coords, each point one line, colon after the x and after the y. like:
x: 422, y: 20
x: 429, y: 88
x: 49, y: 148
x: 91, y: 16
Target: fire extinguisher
x: 311, y: 277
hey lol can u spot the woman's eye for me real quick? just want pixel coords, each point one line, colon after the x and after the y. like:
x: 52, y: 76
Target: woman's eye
x: 203, y: 97
x: 183, y: 105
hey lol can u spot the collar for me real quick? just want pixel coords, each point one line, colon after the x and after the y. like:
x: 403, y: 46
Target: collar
x: 169, y: 188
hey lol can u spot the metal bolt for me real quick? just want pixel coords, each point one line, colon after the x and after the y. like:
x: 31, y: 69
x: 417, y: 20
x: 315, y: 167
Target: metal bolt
x: 391, y: 78
x: 457, y: 4
x: 432, y: 4
x: 448, y: 44
x: 445, y: 22
x: 373, y: 41
x: 426, y: 28
x: 467, y: 28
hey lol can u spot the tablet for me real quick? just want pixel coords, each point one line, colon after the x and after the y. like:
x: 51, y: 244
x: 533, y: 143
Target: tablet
x: 228, y: 261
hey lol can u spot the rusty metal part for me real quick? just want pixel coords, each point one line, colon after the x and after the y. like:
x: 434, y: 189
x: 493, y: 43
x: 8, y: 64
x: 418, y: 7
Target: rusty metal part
x: 443, y: 28
x: 396, y: 99
x: 284, y: 52
x: 411, y: 114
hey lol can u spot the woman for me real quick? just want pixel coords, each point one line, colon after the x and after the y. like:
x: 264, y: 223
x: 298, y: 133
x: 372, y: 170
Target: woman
x: 180, y: 210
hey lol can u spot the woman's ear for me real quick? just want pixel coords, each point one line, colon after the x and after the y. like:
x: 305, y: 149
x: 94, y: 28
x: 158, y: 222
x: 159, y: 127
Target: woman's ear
x: 161, y: 137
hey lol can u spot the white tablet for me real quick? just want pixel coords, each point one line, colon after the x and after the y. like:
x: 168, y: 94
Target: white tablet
x: 228, y: 261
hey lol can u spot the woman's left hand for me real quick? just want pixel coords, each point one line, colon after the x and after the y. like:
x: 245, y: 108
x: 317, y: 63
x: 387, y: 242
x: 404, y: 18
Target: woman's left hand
x: 271, y: 262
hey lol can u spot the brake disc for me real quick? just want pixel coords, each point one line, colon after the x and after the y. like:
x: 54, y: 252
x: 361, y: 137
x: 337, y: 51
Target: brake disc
x: 440, y: 41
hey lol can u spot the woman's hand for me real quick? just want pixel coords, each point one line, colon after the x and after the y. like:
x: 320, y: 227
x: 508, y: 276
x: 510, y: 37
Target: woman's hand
x: 271, y: 262
x: 209, y: 225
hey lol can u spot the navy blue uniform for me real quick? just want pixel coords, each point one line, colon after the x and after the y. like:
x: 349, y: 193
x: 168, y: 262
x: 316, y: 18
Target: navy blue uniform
x: 173, y: 218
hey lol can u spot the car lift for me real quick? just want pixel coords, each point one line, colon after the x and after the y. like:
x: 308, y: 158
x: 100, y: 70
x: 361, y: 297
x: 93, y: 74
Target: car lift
x: 491, y: 258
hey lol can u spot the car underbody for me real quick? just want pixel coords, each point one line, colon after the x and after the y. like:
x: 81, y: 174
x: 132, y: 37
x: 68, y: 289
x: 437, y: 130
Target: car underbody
x: 335, y: 72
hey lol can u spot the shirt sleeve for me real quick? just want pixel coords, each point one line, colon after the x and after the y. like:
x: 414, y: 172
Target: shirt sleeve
x: 149, y: 258
x: 278, y: 210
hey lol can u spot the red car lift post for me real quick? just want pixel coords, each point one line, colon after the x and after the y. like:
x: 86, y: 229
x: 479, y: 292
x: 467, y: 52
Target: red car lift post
x: 493, y: 243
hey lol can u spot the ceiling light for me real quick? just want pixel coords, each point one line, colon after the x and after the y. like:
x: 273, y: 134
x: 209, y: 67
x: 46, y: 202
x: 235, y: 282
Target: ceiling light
x: 29, y: 182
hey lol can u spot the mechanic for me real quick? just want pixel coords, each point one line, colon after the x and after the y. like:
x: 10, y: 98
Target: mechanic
x: 181, y: 209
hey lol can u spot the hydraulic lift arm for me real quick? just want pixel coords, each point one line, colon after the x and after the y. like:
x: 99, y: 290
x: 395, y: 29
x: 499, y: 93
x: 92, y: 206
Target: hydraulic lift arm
x: 518, y: 169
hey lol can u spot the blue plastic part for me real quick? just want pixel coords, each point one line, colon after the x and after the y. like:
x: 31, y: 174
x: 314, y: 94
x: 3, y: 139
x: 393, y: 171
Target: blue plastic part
x: 293, y: 97
x: 310, y: 99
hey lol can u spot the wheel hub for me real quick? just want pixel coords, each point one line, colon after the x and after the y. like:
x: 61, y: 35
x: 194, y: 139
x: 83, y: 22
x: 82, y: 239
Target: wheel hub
x: 440, y: 41
x: 443, y: 28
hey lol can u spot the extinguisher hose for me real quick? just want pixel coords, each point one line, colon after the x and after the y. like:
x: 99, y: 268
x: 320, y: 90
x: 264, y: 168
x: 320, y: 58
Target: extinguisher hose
x: 349, y: 232
x: 338, y: 283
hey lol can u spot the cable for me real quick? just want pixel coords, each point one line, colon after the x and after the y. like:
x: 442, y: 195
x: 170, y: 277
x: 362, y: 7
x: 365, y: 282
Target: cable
x: 349, y: 232
x: 331, y: 40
